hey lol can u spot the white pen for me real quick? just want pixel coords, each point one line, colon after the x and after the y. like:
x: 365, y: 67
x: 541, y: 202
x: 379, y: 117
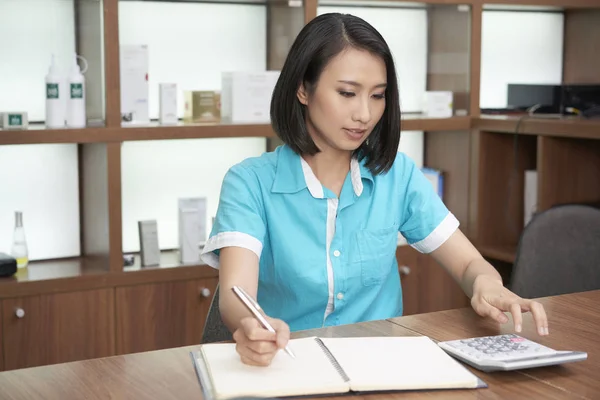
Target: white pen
x: 254, y: 308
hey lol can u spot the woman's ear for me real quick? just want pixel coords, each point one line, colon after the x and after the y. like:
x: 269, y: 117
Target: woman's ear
x: 302, y: 94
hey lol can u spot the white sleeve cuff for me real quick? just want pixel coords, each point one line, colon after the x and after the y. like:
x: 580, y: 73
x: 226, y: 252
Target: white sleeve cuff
x: 229, y: 239
x: 439, y: 235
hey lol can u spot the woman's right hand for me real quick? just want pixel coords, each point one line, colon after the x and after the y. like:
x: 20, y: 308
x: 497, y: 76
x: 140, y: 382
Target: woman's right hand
x: 258, y: 346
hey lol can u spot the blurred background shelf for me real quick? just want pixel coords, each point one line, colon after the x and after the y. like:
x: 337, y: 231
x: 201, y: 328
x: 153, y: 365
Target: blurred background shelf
x: 38, y: 134
x: 86, y: 273
x: 538, y: 125
x: 58, y: 275
x: 417, y: 122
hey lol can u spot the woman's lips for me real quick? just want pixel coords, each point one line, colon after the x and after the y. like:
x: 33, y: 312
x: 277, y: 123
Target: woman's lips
x: 355, y: 134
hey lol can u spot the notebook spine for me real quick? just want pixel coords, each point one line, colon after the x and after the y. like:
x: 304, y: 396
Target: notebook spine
x: 333, y: 360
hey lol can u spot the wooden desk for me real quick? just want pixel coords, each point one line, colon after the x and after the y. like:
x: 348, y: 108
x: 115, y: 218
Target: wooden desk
x: 169, y: 374
x: 573, y: 322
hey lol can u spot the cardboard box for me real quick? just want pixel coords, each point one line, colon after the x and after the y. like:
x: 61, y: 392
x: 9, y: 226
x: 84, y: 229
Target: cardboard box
x: 167, y: 114
x: 438, y: 104
x: 14, y: 120
x: 149, y: 248
x: 192, y: 228
x: 246, y: 96
x: 134, y: 84
x: 202, y: 106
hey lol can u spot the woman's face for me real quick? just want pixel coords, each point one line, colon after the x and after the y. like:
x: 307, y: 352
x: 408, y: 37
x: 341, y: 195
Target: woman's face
x: 347, y: 102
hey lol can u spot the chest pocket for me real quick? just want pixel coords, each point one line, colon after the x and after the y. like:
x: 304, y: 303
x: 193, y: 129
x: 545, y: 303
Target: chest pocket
x: 376, y: 253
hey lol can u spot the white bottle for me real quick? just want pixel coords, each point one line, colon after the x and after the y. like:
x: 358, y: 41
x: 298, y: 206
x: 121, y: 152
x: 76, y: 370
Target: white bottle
x: 55, y: 98
x: 76, y: 96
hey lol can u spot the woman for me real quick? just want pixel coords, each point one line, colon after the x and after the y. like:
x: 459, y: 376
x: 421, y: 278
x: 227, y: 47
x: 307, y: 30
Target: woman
x: 311, y: 228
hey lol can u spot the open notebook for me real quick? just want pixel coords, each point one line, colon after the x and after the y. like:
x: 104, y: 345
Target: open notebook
x: 325, y: 366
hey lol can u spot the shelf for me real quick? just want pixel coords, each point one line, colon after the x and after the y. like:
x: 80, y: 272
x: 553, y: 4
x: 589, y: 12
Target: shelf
x: 38, y: 134
x: 562, y: 4
x: 170, y: 269
x: 155, y: 131
x: 56, y: 276
x: 536, y: 125
x: 418, y: 122
x: 499, y: 252
x: 86, y: 273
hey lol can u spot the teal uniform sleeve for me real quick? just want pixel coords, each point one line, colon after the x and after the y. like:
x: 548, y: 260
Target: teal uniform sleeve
x: 426, y: 221
x: 239, y: 220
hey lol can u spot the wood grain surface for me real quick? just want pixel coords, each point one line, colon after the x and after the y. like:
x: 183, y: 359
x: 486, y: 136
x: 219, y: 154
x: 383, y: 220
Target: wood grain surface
x: 168, y: 374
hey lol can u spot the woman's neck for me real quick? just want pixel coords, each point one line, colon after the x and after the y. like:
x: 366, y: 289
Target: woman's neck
x: 330, y: 167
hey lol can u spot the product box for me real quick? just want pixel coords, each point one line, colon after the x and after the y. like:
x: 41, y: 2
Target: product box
x: 246, y: 96
x: 202, y: 106
x: 134, y: 84
x: 167, y: 103
x: 13, y: 120
x: 438, y: 104
x: 149, y: 248
x: 192, y: 228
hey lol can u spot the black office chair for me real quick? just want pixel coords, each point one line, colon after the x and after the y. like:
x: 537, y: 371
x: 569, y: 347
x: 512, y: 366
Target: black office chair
x: 559, y: 252
x: 215, y: 329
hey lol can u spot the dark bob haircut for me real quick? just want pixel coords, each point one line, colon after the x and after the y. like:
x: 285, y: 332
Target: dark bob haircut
x: 317, y: 43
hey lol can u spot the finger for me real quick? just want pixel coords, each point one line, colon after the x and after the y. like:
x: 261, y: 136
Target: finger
x: 487, y: 310
x: 283, y: 332
x: 539, y: 316
x: 262, y: 346
x: 254, y: 331
x: 252, y: 357
x: 515, y: 310
x: 249, y: 361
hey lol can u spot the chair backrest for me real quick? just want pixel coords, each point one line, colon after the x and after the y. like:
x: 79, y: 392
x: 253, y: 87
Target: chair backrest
x: 559, y: 252
x: 215, y: 329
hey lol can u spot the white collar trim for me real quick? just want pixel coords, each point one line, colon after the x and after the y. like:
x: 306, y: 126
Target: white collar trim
x: 314, y: 185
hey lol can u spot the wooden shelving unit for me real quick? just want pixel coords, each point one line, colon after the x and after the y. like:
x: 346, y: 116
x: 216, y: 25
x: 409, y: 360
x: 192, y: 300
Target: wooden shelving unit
x: 475, y: 151
x: 564, y: 151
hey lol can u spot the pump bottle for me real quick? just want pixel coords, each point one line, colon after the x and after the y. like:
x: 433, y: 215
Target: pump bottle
x: 76, y: 96
x: 55, y: 97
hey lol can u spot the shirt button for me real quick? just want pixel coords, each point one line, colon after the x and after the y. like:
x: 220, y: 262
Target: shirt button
x: 336, y: 253
x: 340, y: 296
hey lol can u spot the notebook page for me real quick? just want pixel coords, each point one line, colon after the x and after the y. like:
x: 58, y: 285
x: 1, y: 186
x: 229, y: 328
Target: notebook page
x: 398, y: 363
x: 311, y: 372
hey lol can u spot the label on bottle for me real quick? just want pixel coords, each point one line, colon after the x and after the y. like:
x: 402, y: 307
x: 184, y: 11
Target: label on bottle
x: 52, y: 90
x: 76, y: 91
x: 22, y: 262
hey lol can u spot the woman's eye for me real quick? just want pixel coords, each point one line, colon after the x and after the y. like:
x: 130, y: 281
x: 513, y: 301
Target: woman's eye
x: 379, y: 96
x: 346, y: 94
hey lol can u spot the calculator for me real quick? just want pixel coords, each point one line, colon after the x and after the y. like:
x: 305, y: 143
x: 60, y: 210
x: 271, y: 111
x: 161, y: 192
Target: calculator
x: 507, y: 352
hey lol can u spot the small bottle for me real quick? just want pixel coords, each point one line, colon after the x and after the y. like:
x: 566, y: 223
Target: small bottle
x: 76, y: 97
x: 19, y: 246
x: 55, y: 98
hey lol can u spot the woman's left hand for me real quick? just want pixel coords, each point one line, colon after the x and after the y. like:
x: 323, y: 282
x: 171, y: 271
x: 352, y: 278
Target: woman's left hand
x: 490, y: 299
